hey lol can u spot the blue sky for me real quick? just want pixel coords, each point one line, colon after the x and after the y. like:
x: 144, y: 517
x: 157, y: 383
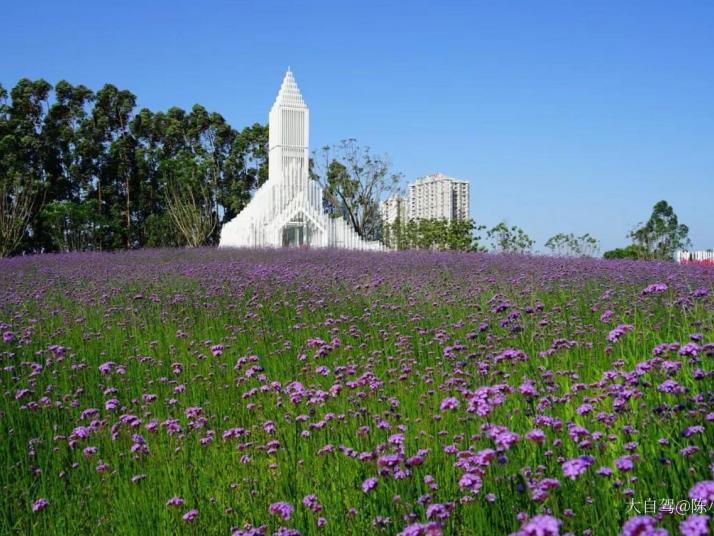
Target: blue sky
x: 565, y: 116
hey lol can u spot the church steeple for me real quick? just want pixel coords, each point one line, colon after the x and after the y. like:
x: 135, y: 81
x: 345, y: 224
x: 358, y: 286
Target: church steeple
x: 287, y: 210
x: 289, y: 94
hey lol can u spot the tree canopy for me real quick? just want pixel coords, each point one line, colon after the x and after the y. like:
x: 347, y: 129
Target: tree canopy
x: 354, y: 180
x: 436, y: 234
x: 659, y: 238
x: 86, y: 170
x: 511, y: 239
x: 573, y: 246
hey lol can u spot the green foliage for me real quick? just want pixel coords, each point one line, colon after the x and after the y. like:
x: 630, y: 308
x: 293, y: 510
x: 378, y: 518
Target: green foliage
x: 72, y: 226
x: 657, y: 239
x: 402, y: 333
x: 509, y: 239
x: 573, y: 246
x: 662, y: 235
x: 100, y: 171
x: 436, y: 234
x: 632, y: 251
x: 353, y: 181
x: 18, y: 199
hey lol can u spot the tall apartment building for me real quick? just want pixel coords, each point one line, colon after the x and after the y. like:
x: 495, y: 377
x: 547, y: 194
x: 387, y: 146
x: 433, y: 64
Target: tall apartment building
x: 438, y: 197
x: 395, y: 206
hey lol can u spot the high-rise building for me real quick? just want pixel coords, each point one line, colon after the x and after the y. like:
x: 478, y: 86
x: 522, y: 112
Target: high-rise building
x: 393, y: 208
x: 439, y: 197
x: 287, y: 210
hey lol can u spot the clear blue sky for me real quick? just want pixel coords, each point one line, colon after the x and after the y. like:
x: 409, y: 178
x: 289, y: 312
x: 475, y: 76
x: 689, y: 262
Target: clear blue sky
x: 565, y: 116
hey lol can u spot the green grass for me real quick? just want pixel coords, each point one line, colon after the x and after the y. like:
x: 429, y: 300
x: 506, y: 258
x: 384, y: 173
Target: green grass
x: 387, y: 327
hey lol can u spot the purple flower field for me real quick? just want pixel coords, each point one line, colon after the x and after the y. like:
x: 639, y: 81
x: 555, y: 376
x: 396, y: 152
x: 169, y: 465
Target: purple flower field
x: 323, y: 392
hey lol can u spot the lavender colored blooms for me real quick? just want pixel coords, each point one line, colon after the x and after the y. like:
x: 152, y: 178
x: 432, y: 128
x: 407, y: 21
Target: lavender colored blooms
x: 695, y: 525
x: 282, y: 509
x: 369, y: 484
x: 106, y: 368
x: 286, y: 531
x: 577, y: 466
x: 654, y: 288
x: 690, y: 349
x: 543, y: 525
x: 40, y: 504
x: 190, y: 515
x: 311, y: 502
x: 439, y: 511
x: 619, y: 331
x: 412, y: 393
x: 624, y: 463
x: 642, y: 526
x: 703, y: 491
x: 422, y: 529
x: 449, y: 403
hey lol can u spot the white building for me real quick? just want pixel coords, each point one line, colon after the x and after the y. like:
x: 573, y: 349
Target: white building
x: 393, y: 208
x: 695, y: 257
x: 287, y: 210
x: 439, y: 197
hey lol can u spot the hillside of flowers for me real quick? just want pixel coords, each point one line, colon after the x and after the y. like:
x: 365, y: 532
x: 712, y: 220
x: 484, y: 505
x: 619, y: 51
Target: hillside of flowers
x: 328, y: 393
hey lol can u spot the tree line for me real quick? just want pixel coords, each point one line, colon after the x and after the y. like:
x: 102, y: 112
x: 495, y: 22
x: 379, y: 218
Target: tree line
x: 85, y: 170
x: 467, y: 235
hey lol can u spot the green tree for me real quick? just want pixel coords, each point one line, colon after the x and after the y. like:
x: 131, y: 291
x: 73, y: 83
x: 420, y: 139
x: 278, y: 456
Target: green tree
x: 72, y: 225
x: 662, y: 235
x: 245, y: 169
x: 18, y: 197
x: 632, y: 251
x: 507, y: 239
x: 189, y: 204
x: 573, y: 246
x: 461, y: 237
x: 440, y: 234
x: 116, y: 179
x: 354, y: 180
x: 22, y: 159
x: 65, y: 160
x: 100, y: 174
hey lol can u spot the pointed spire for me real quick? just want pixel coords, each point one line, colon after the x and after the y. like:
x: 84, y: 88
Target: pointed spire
x: 289, y: 94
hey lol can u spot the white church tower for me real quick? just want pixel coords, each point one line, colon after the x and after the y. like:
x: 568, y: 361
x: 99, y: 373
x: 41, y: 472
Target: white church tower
x: 287, y: 210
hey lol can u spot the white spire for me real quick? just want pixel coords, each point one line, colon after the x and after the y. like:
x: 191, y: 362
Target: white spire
x: 287, y: 210
x: 289, y: 94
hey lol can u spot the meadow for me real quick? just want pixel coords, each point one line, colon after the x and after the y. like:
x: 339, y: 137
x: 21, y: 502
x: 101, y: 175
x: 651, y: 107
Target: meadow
x: 329, y: 393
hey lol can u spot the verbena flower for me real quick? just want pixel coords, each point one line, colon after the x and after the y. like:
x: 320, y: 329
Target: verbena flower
x: 703, y: 491
x: 542, y: 525
x: 40, y: 504
x: 282, y: 509
x: 190, y: 515
x: 369, y: 484
x: 695, y: 525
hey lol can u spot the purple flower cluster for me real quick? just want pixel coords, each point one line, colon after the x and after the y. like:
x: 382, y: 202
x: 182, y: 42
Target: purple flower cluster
x: 577, y: 466
x: 324, y: 392
x: 619, y: 331
x: 282, y: 509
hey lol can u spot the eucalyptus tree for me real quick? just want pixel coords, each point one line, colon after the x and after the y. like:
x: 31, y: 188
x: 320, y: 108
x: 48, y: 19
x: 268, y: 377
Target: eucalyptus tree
x: 66, y: 220
x: 114, y: 149
x: 659, y: 238
x: 662, y: 235
x: 23, y: 178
